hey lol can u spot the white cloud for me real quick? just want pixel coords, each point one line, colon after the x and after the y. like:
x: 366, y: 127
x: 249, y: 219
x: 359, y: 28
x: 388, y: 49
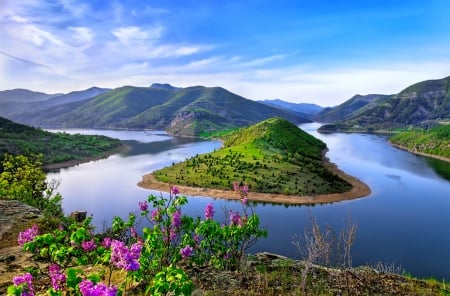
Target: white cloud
x: 132, y: 34
x: 82, y: 35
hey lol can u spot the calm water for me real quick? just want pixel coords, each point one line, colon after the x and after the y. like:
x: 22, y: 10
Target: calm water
x: 405, y: 221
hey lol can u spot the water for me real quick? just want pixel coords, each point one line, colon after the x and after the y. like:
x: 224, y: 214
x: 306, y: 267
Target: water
x: 404, y: 221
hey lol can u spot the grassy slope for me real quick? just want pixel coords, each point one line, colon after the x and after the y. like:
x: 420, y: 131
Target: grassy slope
x: 273, y: 156
x: 21, y: 139
x: 435, y: 141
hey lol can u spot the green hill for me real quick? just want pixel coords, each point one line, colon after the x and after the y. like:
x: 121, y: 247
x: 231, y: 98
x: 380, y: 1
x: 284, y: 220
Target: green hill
x: 18, y: 139
x: 419, y: 105
x: 182, y: 111
x: 273, y: 156
x: 435, y: 142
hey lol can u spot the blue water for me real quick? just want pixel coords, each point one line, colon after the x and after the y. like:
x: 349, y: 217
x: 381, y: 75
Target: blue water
x: 404, y: 221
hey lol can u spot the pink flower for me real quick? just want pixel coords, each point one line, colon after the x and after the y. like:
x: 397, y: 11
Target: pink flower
x: 143, y: 206
x: 88, y: 245
x: 58, y: 278
x: 245, y: 201
x: 176, y: 219
x: 209, y: 211
x: 26, y: 281
x: 235, y: 218
x: 155, y: 215
x: 174, y: 190
x: 27, y: 235
x: 87, y: 288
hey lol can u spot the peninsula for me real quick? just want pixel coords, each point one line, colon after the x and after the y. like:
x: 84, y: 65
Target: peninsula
x: 278, y: 161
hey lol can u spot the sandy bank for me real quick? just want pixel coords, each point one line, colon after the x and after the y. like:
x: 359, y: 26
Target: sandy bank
x: 359, y: 190
x: 421, y: 153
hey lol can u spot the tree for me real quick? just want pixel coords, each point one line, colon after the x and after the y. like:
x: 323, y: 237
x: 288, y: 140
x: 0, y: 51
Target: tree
x: 23, y: 179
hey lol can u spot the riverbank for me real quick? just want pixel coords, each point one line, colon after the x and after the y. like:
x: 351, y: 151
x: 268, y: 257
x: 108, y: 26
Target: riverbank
x: 75, y: 162
x: 359, y: 190
x: 420, y: 153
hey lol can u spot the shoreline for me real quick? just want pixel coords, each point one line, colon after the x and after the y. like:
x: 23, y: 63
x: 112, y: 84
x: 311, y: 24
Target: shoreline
x: 359, y: 190
x: 420, y: 153
x: 75, y: 162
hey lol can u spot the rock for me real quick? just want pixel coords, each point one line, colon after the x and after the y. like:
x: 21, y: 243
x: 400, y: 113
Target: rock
x: 78, y: 216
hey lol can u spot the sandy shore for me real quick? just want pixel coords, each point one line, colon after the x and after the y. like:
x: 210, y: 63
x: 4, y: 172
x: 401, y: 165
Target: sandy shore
x: 359, y: 190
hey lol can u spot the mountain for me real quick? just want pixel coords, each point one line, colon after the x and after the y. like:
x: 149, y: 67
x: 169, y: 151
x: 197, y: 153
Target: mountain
x: 422, y: 104
x: 164, y: 86
x: 17, y: 108
x: 272, y: 156
x: 349, y: 108
x: 181, y: 111
x: 23, y: 95
x: 19, y: 139
x: 303, y: 109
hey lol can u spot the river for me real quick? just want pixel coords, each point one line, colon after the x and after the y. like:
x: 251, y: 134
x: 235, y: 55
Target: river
x: 404, y: 222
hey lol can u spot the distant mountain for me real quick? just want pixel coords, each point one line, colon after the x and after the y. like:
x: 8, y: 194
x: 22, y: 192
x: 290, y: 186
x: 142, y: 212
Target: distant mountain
x: 422, y: 104
x: 15, y: 109
x: 349, y: 108
x: 181, y: 111
x: 302, y: 109
x: 23, y: 95
x: 165, y: 86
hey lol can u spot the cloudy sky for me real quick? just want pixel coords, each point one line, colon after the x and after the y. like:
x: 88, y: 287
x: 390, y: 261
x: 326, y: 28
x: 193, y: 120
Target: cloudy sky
x: 317, y: 51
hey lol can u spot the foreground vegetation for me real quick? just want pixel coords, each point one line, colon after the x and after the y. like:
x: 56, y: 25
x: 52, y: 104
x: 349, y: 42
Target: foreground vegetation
x: 175, y: 254
x: 435, y: 141
x: 18, y: 139
x: 273, y: 156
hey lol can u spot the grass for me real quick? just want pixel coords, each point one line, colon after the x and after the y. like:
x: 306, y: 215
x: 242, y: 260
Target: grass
x: 273, y: 156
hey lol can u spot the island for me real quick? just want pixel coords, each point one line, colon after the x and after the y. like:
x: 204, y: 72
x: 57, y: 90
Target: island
x: 279, y: 162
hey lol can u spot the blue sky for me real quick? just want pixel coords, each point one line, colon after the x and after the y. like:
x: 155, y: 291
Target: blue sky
x: 316, y: 51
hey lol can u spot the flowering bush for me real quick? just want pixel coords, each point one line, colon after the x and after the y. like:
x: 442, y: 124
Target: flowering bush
x: 151, y: 261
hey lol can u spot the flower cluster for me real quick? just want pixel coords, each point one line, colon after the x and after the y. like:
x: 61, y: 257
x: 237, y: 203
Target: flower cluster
x: 235, y: 218
x: 209, y: 211
x: 25, y: 281
x: 27, y: 235
x: 242, y: 191
x: 174, y: 190
x: 89, y: 245
x: 87, y: 288
x: 186, y: 252
x: 57, y: 278
x: 143, y: 206
x: 124, y: 257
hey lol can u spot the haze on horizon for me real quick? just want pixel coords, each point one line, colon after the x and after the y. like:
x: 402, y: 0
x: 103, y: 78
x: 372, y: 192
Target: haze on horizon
x: 312, y: 51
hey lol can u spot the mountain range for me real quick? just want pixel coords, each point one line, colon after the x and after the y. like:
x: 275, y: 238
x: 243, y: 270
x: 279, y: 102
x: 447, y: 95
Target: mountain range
x: 306, y: 110
x: 181, y: 111
x: 421, y: 105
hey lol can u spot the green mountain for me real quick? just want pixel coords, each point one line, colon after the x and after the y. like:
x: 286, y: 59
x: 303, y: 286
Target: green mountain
x: 422, y: 104
x: 349, y: 108
x: 181, y: 111
x: 19, y: 139
x: 272, y: 156
x: 435, y: 142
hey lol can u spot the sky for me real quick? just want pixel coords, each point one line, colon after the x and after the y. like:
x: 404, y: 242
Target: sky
x: 303, y: 51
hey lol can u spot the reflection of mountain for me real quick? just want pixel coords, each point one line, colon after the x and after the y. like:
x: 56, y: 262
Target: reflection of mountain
x: 442, y: 168
x: 139, y: 148
x: 182, y: 111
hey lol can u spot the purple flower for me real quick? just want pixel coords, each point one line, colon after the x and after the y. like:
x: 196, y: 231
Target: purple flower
x: 186, y: 252
x: 26, y: 281
x: 124, y: 257
x: 27, y: 235
x: 244, y: 189
x: 156, y: 215
x: 87, y: 288
x: 58, y: 278
x: 134, y: 233
x: 176, y: 219
x: 235, y: 218
x: 143, y: 205
x: 106, y: 242
x: 174, y: 190
x: 209, y: 211
x: 245, y: 201
x: 172, y: 233
x: 88, y: 245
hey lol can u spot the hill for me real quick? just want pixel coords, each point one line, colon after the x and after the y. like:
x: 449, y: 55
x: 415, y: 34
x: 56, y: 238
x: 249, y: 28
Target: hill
x: 23, y: 95
x: 302, y: 109
x: 434, y: 142
x: 349, y: 108
x: 272, y: 156
x: 18, y: 139
x: 17, y: 107
x: 181, y: 111
x: 419, y: 105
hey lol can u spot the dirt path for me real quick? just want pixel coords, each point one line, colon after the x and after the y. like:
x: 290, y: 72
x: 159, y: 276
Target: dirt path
x: 359, y: 190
